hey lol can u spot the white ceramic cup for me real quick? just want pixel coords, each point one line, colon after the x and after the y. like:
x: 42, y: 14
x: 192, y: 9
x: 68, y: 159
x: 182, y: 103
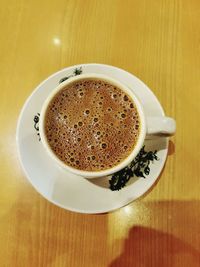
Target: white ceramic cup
x: 149, y: 127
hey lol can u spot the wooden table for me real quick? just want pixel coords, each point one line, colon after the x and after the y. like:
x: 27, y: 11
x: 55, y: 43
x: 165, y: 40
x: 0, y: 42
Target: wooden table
x: 158, y: 41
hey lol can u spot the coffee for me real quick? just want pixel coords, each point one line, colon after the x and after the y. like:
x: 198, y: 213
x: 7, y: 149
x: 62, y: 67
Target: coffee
x: 92, y: 125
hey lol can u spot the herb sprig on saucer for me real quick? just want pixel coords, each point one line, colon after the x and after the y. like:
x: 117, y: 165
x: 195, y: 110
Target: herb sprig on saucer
x: 139, y: 167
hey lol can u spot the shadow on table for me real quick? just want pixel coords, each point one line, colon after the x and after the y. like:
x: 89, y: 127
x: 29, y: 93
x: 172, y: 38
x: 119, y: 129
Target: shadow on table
x: 148, y: 247
x: 174, y: 240
x: 45, y: 233
x: 171, y: 148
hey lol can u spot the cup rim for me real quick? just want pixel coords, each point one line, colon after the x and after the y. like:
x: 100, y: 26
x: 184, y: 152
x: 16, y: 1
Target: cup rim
x: 116, y: 168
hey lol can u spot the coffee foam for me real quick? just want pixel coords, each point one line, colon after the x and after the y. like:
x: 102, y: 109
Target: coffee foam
x: 92, y: 125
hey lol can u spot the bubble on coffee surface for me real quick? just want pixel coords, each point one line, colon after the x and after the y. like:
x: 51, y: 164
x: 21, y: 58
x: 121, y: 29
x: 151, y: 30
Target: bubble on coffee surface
x: 92, y: 125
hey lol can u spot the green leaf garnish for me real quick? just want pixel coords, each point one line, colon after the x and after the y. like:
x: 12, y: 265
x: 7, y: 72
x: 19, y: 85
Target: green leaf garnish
x: 139, y: 167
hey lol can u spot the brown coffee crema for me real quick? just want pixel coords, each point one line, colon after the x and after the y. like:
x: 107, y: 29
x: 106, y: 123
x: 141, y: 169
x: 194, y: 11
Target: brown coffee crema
x: 92, y: 125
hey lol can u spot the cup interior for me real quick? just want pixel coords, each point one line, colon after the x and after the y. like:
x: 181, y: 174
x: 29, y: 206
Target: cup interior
x: 122, y: 164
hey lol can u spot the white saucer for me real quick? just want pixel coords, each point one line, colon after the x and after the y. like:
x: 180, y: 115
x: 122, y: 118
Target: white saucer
x: 73, y: 192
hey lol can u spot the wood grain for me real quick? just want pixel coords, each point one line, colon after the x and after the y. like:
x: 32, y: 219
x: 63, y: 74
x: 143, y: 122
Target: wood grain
x: 158, y: 41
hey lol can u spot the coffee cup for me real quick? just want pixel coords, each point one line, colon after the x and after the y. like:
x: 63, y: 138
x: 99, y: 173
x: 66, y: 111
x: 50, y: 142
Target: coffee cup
x: 149, y: 127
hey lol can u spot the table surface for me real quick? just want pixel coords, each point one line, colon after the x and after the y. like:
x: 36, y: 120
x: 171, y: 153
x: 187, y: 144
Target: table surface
x: 158, y: 41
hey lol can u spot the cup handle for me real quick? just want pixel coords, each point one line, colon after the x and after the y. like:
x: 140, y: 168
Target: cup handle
x: 160, y: 126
